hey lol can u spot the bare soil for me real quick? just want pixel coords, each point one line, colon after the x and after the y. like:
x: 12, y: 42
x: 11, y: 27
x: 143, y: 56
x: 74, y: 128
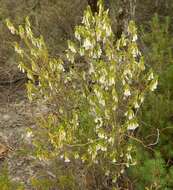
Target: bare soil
x: 16, y: 117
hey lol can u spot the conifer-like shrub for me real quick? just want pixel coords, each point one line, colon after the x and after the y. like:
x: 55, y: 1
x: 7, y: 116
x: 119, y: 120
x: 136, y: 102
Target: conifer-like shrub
x: 93, y: 96
x: 154, y: 160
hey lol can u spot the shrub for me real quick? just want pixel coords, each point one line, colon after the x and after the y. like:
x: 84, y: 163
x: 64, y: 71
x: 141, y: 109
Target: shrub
x: 93, y: 97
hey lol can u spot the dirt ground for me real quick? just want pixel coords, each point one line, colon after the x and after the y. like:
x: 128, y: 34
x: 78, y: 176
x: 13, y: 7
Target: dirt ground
x: 16, y: 117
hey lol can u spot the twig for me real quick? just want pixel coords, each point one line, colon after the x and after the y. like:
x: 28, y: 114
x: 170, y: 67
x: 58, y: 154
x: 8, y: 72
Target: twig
x: 139, y: 141
x: 157, y: 140
x: 4, y: 83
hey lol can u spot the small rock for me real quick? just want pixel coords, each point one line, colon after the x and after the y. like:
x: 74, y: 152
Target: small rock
x: 6, y: 117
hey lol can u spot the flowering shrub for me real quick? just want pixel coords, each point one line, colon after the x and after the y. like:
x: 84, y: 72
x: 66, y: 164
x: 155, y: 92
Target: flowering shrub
x: 93, y: 96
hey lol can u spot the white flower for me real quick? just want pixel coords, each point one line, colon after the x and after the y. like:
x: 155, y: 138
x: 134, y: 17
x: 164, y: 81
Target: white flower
x: 50, y: 85
x: 29, y: 134
x: 89, y: 150
x: 98, y: 35
x: 135, y: 52
x: 107, y: 115
x: 135, y: 37
x: 70, y: 57
x: 28, y: 137
x: 60, y: 67
x: 77, y: 35
x: 136, y: 105
x: 108, y: 31
x: 130, y: 114
x: 106, y: 88
x: 127, y: 165
x: 85, y: 20
x: 124, y: 82
x: 102, y: 79
x: 141, y: 98
x: 128, y: 72
x: 12, y: 29
x: 114, y: 95
x: 38, y: 43
x: 18, y: 50
x: 107, y: 173
x: 21, y: 68
x: 28, y: 31
x: 153, y: 85
x: 99, y: 52
x: 111, y: 140
x: 151, y: 76
x: 127, y: 92
x: 102, y: 102
x: 111, y: 81
x: 91, y: 69
x: 97, y: 93
x: 67, y: 160
x: 122, y: 171
x: 101, y: 135
x: 87, y: 44
x: 71, y: 47
x: 114, y: 180
x: 129, y: 157
x: 81, y: 51
x: 104, y: 149
x: 114, y: 107
x: 98, y: 147
x: 132, y: 125
x: 98, y: 120
x: 114, y: 160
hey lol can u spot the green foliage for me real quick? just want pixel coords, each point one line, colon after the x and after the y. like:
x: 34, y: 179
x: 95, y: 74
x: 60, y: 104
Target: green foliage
x: 150, y: 172
x: 154, y: 168
x: 6, y: 183
x: 158, y: 43
x: 93, y: 96
x: 57, y: 176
